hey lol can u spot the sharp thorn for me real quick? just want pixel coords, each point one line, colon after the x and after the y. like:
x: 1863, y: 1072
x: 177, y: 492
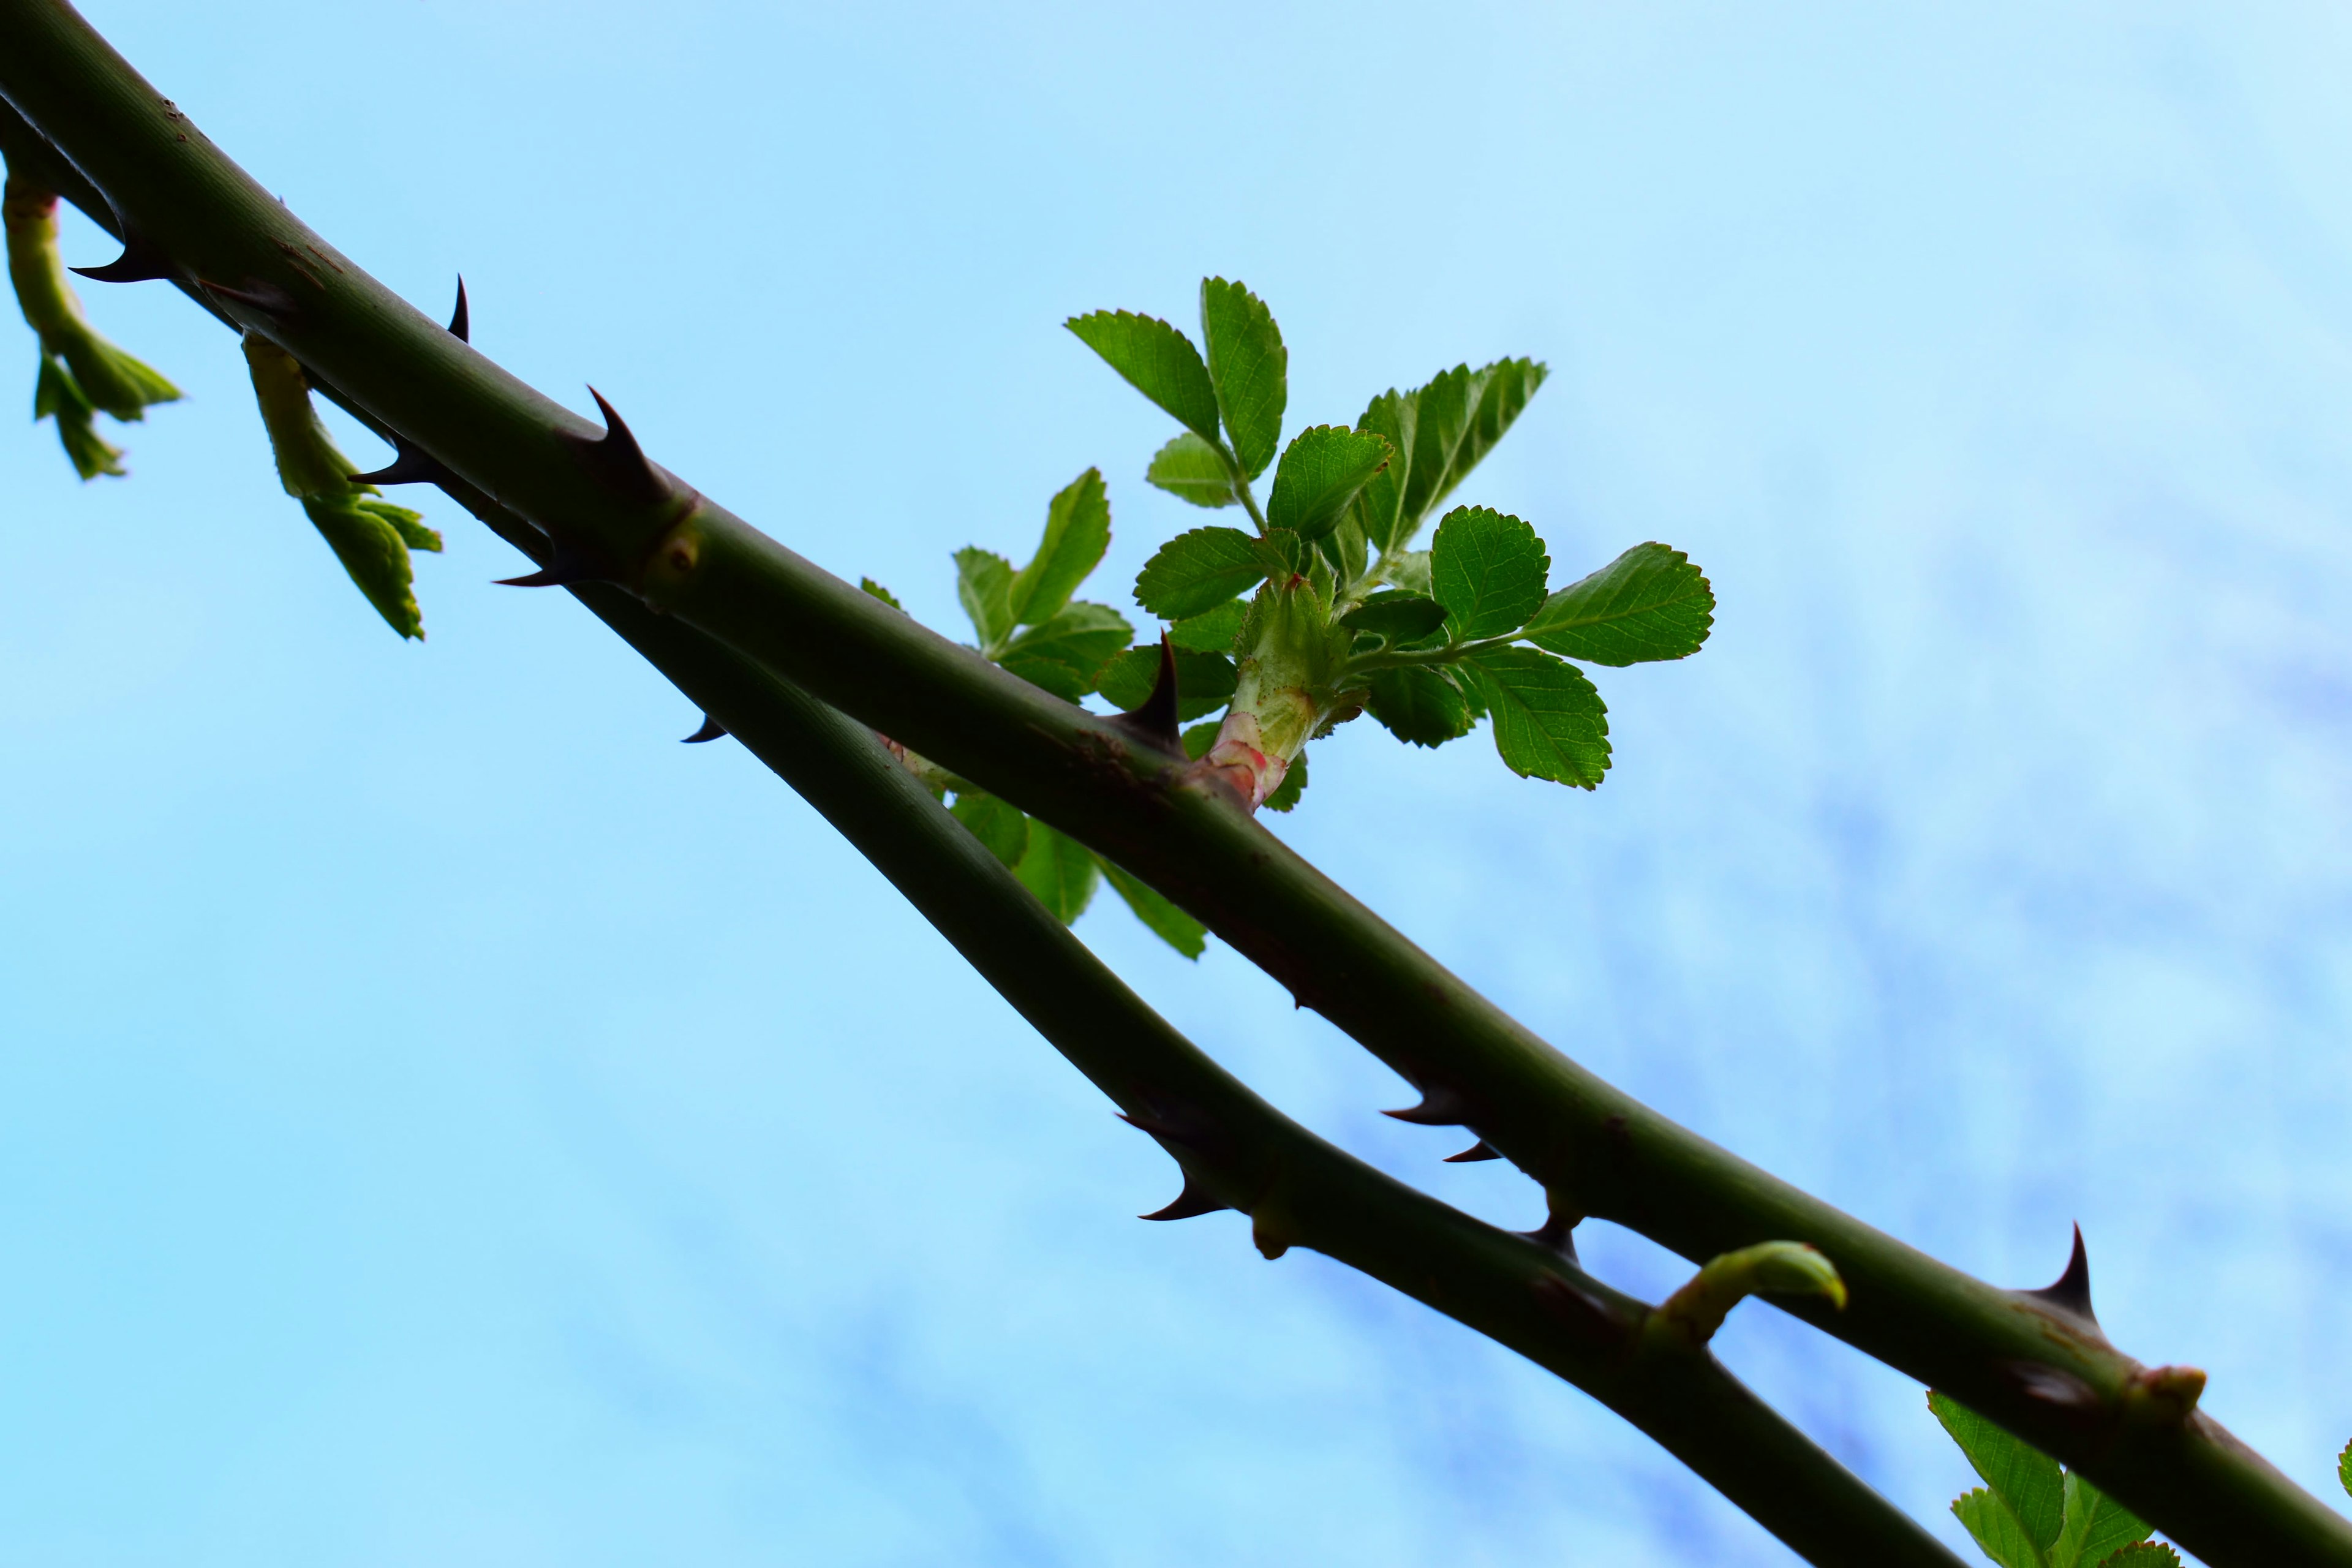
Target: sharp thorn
x: 1193, y: 1201
x: 616, y: 459
x: 1441, y: 1106
x: 1154, y: 720
x: 409, y: 466
x: 141, y: 262
x: 1481, y: 1149
x: 563, y: 569
x: 2072, y: 1291
x: 461, y: 325
x: 712, y: 730
x: 1557, y: 1233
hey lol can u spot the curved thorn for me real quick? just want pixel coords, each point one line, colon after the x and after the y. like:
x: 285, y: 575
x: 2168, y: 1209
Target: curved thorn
x: 1154, y: 718
x: 711, y: 729
x: 1192, y: 1202
x: 1481, y: 1149
x: 461, y: 324
x: 564, y: 568
x: 617, y: 461
x: 1442, y: 1105
x: 409, y: 466
x: 1557, y: 1233
x: 142, y: 261
x: 2070, y: 1292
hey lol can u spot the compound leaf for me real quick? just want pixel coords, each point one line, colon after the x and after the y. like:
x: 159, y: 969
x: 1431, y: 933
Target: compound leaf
x: 1997, y: 1529
x: 1204, y: 682
x: 1419, y: 705
x: 1549, y: 723
x: 2025, y: 1478
x: 1162, y: 919
x: 984, y: 586
x: 1458, y: 417
x: 2096, y: 1526
x: 1060, y: 870
x: 1649, y: 603
x: 1078, y: 532
x: 1399, y: 616
x: 1323, y: 470
x: 1212, y: 631
x: 999, y: 825
x: 1158, y: 360
x: 1190, y: 470
x: 1067, y: 655
x: 1249, y: 369
x: 374, y: 553
x: 1198, y: 571
x: 1380, y: 510
x: 1487, y: 569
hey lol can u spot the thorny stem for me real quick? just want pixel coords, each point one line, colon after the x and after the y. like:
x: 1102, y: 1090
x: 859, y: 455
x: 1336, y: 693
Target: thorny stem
x: 2041, y: 1370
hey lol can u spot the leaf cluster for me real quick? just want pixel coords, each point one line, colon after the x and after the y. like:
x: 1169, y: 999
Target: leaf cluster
x: 2031, y: 1514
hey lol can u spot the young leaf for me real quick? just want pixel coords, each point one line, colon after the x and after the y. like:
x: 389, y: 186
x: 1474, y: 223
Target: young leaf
x: 1078, y: 532
x: 2025, y: 1478
x: 1162, y: 919
x: 1204, y: 682
x: 997, y: 824
x: 1060, y: 870
x: 1158, y: 360
x: 1190, y: 470
x: 1419, y: 705
x: 2344, y: 1469
x: 1380, y: 511
x: 1548, y: 721
x: 372, y: 551
x: 1411, y: 573
x: 1323, y: 470
x: 1458, y: 417
x: 1399, y: 616
x: 409, y: 525
x: 1997, y: 1529
x: 1649, y: 603
x: 1344, y: 548
x: 2141, y: 1554
x: 1249, y: 369
x: 1488, y: 571
x: 2096, y: 1526
x: 1196, y: 571
x: 1199, y: 737
x: 879, y: 591
x: 55, y: 397
x: 1294, y: 785
x: 1212, y: 631
x: 984, y: 584
x: 1067, y: 655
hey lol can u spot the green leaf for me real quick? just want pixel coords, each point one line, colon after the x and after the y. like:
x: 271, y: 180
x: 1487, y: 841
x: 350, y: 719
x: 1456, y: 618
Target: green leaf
x: 2142, y: 1554
x: 1196, y: 571
x: 1411, y: 573
x: 1060, y: 870
x: 409, y: 525
x: 374, y: 553
x: 1466, y: 680
x: 2096, y: 1526
x: 1201, y: 737
x: 1344, y: 548
x: 1457, y: 420
x: 55, y: 397
x: 1997, y: 1529
x: 1189, y: 468
x: 1249, y: 368
x: 1204, y: 682
x: 1399, y: 616
x: 1067, y: 655
x: 1548, y: 721
x: 1419, y: 705
x: 1649, y: 603
x: 984, y: 584
x: 1078, y: 532
x: 1323, y: 470
x: 1212, y: 631
x: 114, y: 381
x: 998, y: 824
x: 1164, y: 920
x: 2344, y: 1468
x: 2026, y: 1479
x: 1487, y: 569
x: 1294, y: 785
x: 1380, y: 511
x: 879, y: 591
x: 1158, y: 360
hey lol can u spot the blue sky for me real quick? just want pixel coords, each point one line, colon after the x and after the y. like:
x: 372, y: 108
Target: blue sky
x: 441, y: 1118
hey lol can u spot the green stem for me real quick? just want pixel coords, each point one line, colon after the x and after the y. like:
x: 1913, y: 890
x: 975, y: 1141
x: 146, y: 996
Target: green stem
x: 2039, y: 1371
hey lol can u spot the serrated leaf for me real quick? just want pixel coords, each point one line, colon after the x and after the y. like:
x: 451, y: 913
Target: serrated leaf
x: 1000, y: 824
x: 984, y: 587
x: 1549, y: 723
x: 1190, y: 470
x: 1158, y: 360
x: 1996, y: 1529
x: 1380, y: 510
x: 1457, y: 420
x: 1323, y: 470
x: 2026, y: 1479
x: 1204, y: 682
x: 879, y: 591
x: 1419, y: 705
x: 1294, y: 785
x: 408, y: 524
x: 1212, y: 631
x: 2344, y: 1469
x: 373, y: 553
x: 55, y: 397
x: 1487, y: 569
x: 1649, y: 603
x: 1201, y: 737
x: 1345, y: 549
x: 1162, y: 919
x: 1397, y: 616
x: 1466, y: 680
x: 1078, y: 532
x: 1060, y: 870
x: 2142, y: 1554
x: 1248, y: 368
x: 2096, y: 1526
x: 1195, y: 571
x: 1067, y: 655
